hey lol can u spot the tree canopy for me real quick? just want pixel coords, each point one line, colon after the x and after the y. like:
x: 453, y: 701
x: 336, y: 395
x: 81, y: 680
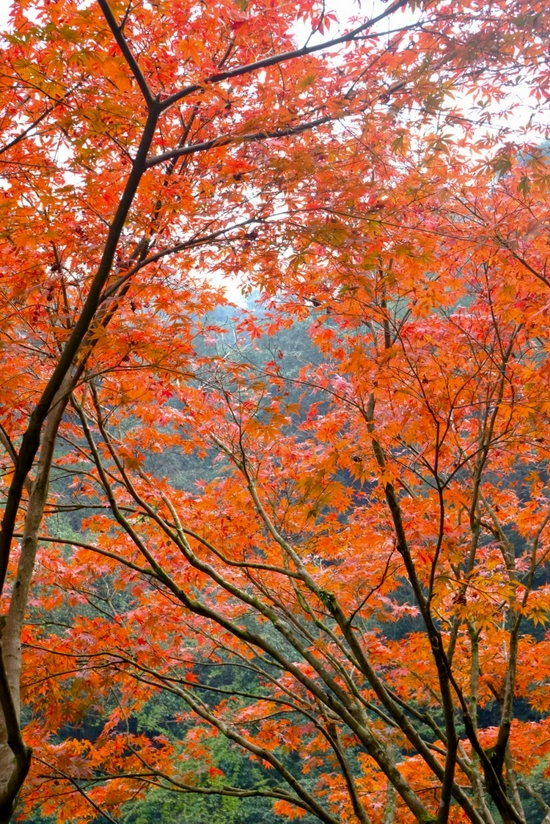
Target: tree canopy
x: 293, y: 555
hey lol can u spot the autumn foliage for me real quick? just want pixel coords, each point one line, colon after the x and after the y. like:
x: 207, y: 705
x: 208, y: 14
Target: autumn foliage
x: 318, y: 526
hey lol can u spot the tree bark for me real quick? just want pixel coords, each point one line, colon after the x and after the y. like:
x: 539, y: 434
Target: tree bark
x: 14, y: 755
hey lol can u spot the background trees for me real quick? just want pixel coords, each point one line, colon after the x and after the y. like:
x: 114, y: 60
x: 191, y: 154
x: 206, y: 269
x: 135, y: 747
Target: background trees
x: 352, y: 589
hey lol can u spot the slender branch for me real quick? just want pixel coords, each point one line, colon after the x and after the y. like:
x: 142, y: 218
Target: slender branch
x: 253, y: 137
x: 101, y: 812
x: 25, y: 133
x: 96, y: 549
x: 275, y: 59
x: 128, y: 56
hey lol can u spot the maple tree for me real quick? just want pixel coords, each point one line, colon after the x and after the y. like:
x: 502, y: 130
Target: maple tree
x: 365, y: 552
